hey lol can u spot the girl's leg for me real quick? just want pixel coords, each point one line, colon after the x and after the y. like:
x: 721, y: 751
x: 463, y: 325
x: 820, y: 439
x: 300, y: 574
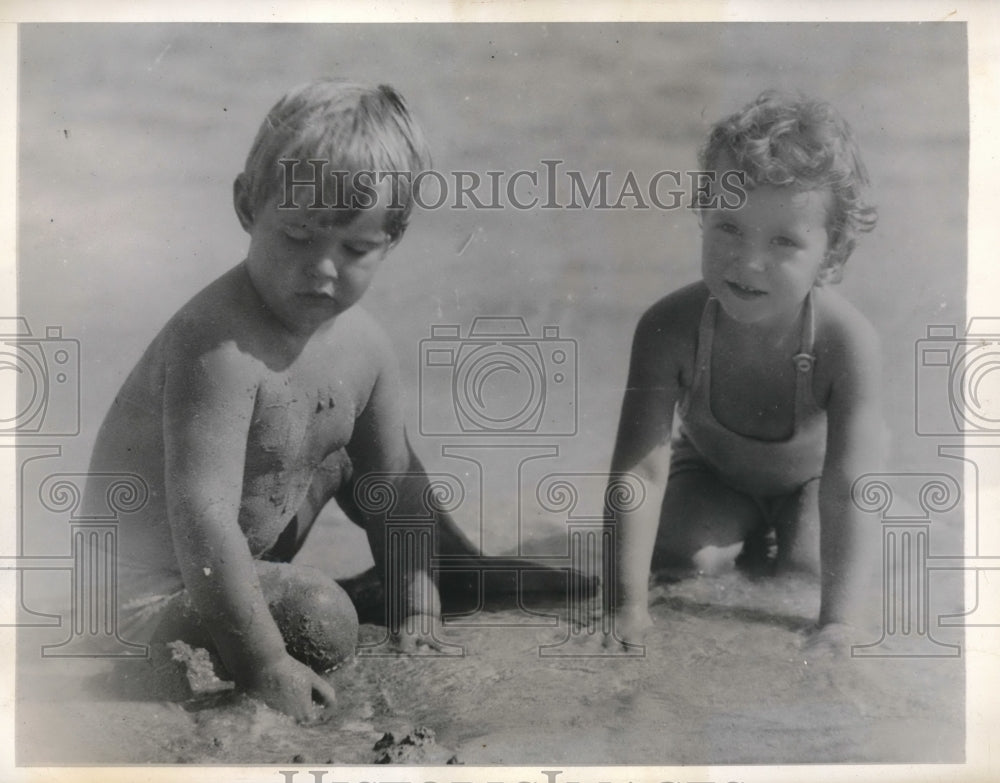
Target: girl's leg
x: 796, y: 522
x: 700, y: 510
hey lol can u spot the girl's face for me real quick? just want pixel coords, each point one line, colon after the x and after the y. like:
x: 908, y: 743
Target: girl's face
x: 761, y: 260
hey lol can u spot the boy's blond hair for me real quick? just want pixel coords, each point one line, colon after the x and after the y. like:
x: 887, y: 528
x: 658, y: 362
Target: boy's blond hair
x: 352, y: 129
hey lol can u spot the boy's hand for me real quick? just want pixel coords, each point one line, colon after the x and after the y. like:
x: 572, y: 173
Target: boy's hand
x: 422, y: 609
x: 290, y: 686
x: 628, y: 627
x: 417, y: 631
x: 832, y: 640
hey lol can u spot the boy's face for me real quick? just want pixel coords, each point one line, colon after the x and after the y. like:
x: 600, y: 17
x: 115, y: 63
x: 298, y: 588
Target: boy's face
x: 761, y: 260
x: 306, y: 264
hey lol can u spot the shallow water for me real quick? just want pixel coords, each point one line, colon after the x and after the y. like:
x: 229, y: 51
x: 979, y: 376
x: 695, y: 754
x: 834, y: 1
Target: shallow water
x: 723, y: 680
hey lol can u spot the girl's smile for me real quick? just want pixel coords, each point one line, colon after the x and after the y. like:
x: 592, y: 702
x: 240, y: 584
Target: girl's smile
x: 761, y: 260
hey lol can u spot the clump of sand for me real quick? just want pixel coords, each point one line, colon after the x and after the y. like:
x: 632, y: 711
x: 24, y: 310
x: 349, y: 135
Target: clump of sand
x: 198, y: 668
x: 418, y: 747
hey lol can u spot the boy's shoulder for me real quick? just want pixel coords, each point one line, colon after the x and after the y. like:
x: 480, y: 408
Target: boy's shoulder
x: 228, y: 314
x: 208, y: 319
x: 360, y: 325
x: 222, y: 308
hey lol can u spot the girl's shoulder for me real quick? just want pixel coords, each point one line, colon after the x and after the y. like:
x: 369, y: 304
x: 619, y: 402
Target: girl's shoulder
x: 677, y: 312
x: 839, y: 324
x: 666, y: 338
x: 846, y: 342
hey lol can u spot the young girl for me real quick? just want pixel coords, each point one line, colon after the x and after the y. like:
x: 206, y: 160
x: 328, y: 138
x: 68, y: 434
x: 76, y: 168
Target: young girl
x: 772, y: 377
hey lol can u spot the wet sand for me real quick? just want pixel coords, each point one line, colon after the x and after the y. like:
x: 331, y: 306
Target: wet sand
x: 723, y: 680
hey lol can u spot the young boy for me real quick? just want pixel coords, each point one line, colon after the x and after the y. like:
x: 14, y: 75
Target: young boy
x: 772, y: 377
x: 267, y: 395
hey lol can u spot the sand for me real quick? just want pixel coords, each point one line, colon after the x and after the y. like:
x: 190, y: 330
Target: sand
x: 723, y: 679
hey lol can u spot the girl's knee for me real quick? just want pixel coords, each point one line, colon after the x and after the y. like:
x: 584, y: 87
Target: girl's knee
x: 700, y: 510
x: 797, y: 530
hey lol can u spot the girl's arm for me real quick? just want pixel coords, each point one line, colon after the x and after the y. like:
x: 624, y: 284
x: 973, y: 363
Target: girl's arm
x: 855, y: 446
x: 642, y: 448
x: 208, y: 404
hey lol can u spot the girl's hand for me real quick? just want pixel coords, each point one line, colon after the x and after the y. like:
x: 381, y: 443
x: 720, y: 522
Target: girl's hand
x: 832, y: 640
x: 291, y: 687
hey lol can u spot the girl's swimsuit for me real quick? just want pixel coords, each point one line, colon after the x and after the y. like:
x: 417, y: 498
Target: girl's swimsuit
x: 760, y: 468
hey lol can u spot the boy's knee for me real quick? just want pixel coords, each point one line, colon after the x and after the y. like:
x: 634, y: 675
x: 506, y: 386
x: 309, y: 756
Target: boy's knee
x: 316, y: 617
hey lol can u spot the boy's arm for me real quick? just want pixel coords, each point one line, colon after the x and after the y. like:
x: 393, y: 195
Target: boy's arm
x: 379, y: 446
x: 642, y: 447
x: 208, y: 405
x: 855, y: 446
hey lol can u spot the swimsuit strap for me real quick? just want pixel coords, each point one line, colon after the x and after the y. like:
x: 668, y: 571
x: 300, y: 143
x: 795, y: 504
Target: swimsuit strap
x: 804, y: 361
x: 706, y: 335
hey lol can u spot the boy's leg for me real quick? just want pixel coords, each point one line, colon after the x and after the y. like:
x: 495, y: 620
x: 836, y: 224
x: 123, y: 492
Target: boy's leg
x: 796, y: 522
x: 331, y: 476
x: 700, y: 510
x: 338, y: 484
x: 315, y: 616
x: 461, y: 582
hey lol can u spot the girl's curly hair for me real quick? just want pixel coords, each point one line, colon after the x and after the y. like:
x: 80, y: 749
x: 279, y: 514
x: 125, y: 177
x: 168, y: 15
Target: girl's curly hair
x: 782, y: 139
